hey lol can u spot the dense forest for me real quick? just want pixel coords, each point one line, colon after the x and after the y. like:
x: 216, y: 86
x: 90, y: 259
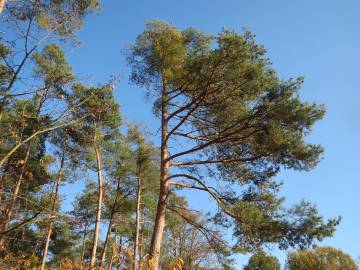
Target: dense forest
x: 228, y: 124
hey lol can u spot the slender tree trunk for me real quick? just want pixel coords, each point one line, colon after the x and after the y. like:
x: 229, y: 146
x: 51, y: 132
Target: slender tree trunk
x: 141, y: 240
x: 103, y: 253
x: 159, y: 226
x: 53, y: 207
x: 111, y: 221
x: 119, y: 254
x: 111, y: 261
x: 84, y: 243
x: 99, y: 206
x: 8, y: 211
x: 137, y: 223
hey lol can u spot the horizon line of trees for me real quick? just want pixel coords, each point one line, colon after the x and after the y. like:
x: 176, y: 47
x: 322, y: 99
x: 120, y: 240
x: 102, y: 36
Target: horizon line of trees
x: 228, y: 125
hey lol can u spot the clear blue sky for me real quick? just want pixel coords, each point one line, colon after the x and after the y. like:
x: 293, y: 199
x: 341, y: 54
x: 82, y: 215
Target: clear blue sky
x: 319, y: 40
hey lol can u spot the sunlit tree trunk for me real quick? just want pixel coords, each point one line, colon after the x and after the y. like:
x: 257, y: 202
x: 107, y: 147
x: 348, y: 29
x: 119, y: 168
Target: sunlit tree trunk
x: 53, y: 207
x: 103, y: 254
x: 99, y: 206
x: 137, y: 223
x: 159, y: 226
x: 111, y: 221
x: 141, y: 240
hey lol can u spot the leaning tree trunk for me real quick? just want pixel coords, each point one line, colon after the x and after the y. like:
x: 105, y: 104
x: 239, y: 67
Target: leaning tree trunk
x: 137, y: 223
x: 111, y: 221
x: 159, y: 226
x: 99, y: 206
x: 53, y: 207
x: 103, y: 254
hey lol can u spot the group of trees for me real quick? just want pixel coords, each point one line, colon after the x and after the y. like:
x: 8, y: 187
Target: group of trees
x: 316, y: 259
x: 228, y: 124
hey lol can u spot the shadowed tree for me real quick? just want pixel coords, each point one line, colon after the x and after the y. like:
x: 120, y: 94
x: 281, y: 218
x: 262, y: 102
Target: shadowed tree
x: 219, y: 98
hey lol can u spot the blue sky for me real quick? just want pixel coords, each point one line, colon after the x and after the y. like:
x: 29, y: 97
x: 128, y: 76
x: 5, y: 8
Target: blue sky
x: 319, y: 40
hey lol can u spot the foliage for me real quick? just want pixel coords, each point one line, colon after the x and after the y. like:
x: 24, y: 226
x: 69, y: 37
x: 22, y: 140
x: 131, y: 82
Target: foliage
x: 261, y: 261
x: 239, y: 124
x: 320, y: 258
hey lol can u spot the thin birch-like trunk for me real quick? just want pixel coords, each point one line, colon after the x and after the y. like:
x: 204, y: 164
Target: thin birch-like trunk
x: 99, y: 206
x: 111, y: 221
x: 53, y: 207
x: 103, y: 253
x: 111, y: 260
x: 137, y: 223
x: 141, y: 240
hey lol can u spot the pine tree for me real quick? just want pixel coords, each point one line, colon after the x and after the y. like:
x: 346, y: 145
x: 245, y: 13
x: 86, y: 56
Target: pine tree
x: 98, y: 129
x: 240, y: 121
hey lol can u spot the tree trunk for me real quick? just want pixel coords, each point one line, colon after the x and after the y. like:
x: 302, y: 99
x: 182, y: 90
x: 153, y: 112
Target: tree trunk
x: 119, y: 254
x: 111, y: 221
x: 2, y: 5
x: 8, y: 211
x: 137, y: 224
x: 141, y: 240
x: 54, y: 201
x: 99, y: 206
x: 159, y: 226
x: 103, y: 254
x: 84, y: 243
x: 111, y: 261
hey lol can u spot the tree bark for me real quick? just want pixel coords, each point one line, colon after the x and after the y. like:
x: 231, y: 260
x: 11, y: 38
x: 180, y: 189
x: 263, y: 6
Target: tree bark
x: 137, y: 224
x: 99, y: 206
x: 53, y: 207
x: 159, y: 225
